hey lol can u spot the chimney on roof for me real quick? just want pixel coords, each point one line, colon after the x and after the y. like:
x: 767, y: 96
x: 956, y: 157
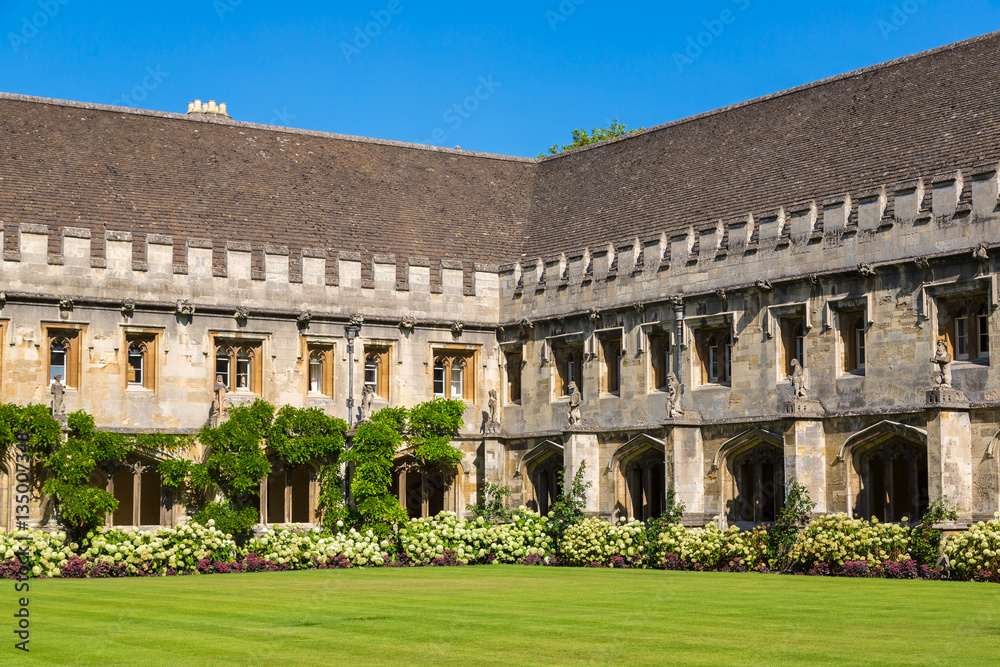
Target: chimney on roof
x: 210, y: 110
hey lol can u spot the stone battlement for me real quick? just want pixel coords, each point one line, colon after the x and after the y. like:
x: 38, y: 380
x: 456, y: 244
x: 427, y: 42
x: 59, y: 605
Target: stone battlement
x: 71, y: 262
x: 856, y: 232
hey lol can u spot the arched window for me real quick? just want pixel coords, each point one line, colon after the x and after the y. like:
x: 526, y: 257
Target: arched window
x: 316, y: 371
x: 965, y: 326
x: 893, y: 480
x: 239, y: 364
x: 715, y: 354
x: 138, y: 488
x: 545, y: 482
x: 244, y: 369
x: 377, y: 369
x: 421, y: 492
x: 58, y: 359
x: 759, y: 484
x: 137, y: 363
x: 644, y: 480
x: 453, y: 375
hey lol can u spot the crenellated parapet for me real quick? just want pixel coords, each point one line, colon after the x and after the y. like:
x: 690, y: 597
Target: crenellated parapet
x: 151, y: 268
x: 926, y: 217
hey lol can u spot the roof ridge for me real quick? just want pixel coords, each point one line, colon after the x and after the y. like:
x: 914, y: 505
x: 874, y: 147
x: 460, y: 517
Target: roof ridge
x: 782, y: 93
x: 169, y: 115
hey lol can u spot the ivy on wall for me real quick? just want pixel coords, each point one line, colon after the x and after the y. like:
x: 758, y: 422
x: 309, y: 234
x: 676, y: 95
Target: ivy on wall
x: 426, y: 430
x: 225, y: 485
x: 63, y: 468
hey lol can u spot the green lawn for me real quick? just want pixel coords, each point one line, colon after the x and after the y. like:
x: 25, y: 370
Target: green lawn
x: 506, y: 615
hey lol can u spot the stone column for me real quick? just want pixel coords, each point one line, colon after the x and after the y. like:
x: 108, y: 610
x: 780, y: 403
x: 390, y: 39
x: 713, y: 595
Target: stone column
x: 805, y: 456
x: 688, y: 467
x: 949, y: 450
x: 580, y: 447
x: 493, y: 460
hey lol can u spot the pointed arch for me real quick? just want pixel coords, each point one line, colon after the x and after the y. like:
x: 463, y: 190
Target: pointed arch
x: 744, y: 440
x: 539, y: 470
x: 879, y: 432
x: 639, y: 472
x: 885, y: 470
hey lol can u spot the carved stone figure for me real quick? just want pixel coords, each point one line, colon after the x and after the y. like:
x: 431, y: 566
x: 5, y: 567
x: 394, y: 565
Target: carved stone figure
x: 799, y: 379
x: 575, y: 398
x: 943, y: 360
x: 219, y: 400
x: 58, y: 389
x: 493, y: 407
x: 673, y: 397
x: 407, y: 323
x: 365, y: 409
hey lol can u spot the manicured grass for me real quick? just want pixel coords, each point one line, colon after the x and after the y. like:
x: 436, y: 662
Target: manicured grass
x: 505, y: 615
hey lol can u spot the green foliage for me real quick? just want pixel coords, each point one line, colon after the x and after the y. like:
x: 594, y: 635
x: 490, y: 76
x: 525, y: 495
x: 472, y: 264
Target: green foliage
x: 236, y: 461
x: 228, y: 519
x: 302, y: 435
x: 568, y: 508
x: 432, y: 425
x: 45, y: 432
x: 792, y: 518
x: 673, y: 512
x: 581, y: 138
x: 492, y: 509
x: 174, y: 472
x: 925, y: 541
x: 374, y: 449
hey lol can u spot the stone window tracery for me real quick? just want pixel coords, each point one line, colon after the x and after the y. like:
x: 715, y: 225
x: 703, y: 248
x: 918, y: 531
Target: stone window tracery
x: 893, y: 480
x: 965, y: 326
x: 239, y: 364
x: 64, y: 356
x: 320, y: 370
x: 644, y: 481
x: 569, y: 367
x: 759, y: 485
x: 377, y: 370
x: 714, y: 347
x: 424, y: 493
x: 454, y: 376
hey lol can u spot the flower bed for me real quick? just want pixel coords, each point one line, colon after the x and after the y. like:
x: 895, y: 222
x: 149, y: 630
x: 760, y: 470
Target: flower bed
x: 832, y: 545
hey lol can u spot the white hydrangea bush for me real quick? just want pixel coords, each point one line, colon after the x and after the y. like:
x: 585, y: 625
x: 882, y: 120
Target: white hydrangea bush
x: 179, y: 548
x: 836, y: 538
x: 296, y: 547
x: 47, y: 552
x: 975, y: 550
x: 710, y: 547
x: 597, y: 541
x: 473, y: 541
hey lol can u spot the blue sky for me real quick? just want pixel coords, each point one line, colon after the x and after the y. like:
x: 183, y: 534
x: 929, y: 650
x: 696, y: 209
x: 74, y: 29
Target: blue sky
x: 522, y: 74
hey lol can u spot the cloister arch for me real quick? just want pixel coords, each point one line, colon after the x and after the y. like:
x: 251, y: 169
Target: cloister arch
x: 751, y: 472
x: 886, y: 472
x: 539, y: 470
x: 639, y: 470
x: 424, y: 493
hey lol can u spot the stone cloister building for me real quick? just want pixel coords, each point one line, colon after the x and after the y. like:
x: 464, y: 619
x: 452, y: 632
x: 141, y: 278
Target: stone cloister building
x: 741, y: 300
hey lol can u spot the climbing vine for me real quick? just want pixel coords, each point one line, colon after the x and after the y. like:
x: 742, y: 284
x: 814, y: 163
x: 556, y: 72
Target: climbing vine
x: 426, y: 430
x: 238, y: 454
x: 63, y: 469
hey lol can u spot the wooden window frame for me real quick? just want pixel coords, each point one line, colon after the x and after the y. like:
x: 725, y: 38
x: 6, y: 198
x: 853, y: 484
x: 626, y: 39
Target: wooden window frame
x: 324, y: 354
x: 792, y: 345
x: 234, y: 349
x: 969, y: 312
x: 448, y: 359
x: 149, y: 342
x: 380, y: 355
x: 513, y: 357
x: 715, y: 356
x: 610, y: 348
x: 72, y: 337
x: 568, y: 362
